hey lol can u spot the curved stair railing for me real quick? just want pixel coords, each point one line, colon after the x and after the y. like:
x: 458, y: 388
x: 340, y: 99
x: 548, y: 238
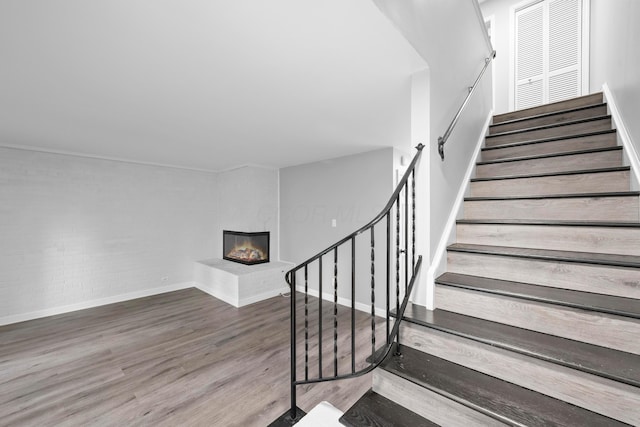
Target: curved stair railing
x: 324, y: 346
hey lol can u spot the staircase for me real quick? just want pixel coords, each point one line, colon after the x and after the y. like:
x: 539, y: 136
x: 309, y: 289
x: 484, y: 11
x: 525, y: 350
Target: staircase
x: 538, y: 316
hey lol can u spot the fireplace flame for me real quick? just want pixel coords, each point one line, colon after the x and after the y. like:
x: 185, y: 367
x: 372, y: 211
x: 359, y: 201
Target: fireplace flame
x: 246, y: 251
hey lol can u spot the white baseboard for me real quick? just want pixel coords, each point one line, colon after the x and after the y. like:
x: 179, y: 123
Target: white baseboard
x: 623, y: 135
x: 346, y: 302
x: 93, y: 303
x: 439, y: 263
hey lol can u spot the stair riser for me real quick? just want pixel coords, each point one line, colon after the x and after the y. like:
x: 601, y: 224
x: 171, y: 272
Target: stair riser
x: 610, y: 280
x: 608, y: 240
x: 608, y: 397
x: 427, y: 403
x: 574, y: 208
x: 550, y: 108
x: 565, y: 163
x: 601, y: 329
x: 551, y: 147
x: 586, y: 113
x: 548, y: 185
x: 552, y: 132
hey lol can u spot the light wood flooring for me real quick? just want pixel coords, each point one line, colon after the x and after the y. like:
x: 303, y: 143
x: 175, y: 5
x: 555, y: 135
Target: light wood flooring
x: 178, y: 359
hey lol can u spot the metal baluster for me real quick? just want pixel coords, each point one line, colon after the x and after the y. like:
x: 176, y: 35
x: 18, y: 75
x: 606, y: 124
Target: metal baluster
x: 320, y: 317
x: 398, y: 264
x: 406, y: 238
x: 388, y: 272
x: 306, y: 322
x: 335, y: 311
x: 413, y: 222
x: 293, y: 410
x: 397, y: 255
x: 353, y: 304
x: 373, y: 293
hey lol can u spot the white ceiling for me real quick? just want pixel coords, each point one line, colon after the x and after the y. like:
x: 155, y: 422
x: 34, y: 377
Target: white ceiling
x: 207, y: 84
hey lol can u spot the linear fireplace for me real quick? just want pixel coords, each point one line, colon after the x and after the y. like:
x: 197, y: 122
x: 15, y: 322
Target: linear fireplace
x: 245, y: 248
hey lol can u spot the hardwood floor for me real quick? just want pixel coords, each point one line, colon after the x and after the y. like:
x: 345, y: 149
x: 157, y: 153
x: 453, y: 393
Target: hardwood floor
x: 180, y: 358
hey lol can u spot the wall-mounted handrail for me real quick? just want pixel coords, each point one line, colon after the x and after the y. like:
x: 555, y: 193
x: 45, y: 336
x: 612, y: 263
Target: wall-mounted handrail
x: 319, y: 347
x: 487, y: 39
x: 443, y: 139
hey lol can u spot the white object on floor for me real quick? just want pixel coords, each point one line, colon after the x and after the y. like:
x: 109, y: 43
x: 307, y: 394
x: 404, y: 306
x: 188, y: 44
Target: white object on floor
x: 323, y: 415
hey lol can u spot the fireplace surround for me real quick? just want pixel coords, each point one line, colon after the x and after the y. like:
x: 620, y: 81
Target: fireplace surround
x: 245, y: 248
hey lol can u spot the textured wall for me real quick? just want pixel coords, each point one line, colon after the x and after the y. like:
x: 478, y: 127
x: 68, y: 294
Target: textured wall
x: 75, y: 230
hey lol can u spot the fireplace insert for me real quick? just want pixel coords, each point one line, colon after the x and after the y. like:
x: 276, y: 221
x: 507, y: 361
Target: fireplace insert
x: 245, y: 248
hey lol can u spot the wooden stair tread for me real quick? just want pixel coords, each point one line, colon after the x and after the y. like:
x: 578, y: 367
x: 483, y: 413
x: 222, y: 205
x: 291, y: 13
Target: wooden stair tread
x: 620, y: 306
x: 550, y: 223
x: 559, y: 196
x: 374, y: 410
x: 605, y: 362
x: 551, y: 139
x: 496, y: 398
x: 546, y: 174
x: 550, y: 255
x: 548, y: 114
x: 589, y: 99
x: 546, y: 156
x: 550, y: 126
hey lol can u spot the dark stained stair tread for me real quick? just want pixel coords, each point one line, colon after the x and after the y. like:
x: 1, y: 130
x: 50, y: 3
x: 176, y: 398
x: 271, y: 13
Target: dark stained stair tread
x: 620, y: 306
x: 550, y: 255
x: 557, y: 113
x: 549, y: 126
x: 590, y: 99
x: 549, y: 155
x: 551, y: 223
x: 551, y: 139
x: 608, y: 363
x: 499, y: 399
x: 546, y: 174
x: 374, y: 410
x: 559, y: 196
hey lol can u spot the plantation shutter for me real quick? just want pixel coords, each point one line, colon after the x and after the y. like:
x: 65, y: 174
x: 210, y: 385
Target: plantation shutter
x: 548, y: 52
x: 530, y: 56
x: 564, y: 49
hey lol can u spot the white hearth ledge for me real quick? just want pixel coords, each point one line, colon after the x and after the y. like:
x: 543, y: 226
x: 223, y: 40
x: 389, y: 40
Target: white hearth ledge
x: 239, y: 284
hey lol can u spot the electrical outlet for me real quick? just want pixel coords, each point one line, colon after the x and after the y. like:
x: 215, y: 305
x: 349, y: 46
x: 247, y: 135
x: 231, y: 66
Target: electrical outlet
x: 334, y: 223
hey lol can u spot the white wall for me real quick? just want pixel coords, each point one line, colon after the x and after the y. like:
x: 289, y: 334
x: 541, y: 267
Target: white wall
x: 615, y: 57
x: 247, y: 200
x: 75, y: 231
x: 450, y: 37
x: 499, y: 9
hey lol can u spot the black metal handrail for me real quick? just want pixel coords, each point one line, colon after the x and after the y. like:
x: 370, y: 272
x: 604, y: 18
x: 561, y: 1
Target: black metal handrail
x: 397, y: 246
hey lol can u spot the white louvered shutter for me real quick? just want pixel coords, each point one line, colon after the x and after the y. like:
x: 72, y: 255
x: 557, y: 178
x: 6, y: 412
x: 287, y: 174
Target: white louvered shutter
x: 529, y: 56
x: 548, y: 52
x: 564, y: 49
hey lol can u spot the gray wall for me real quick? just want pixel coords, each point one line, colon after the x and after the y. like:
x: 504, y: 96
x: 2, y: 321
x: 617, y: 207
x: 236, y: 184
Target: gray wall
x: 615, y: 57
x: 352, y: 190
